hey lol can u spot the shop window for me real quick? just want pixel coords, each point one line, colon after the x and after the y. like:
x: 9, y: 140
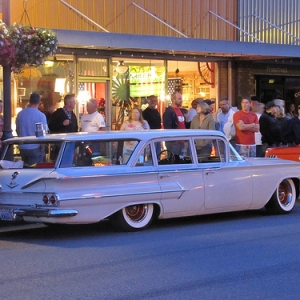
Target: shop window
x: 93, y: 67
x: 133, y: 80
x: 44, y: 80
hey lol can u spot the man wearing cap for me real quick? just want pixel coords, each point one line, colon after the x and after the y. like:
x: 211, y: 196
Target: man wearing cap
x: 246, y: 124
x: 151, y: 114
x: 210, y: 103
x: 26, y: 126
x: 270, y: 128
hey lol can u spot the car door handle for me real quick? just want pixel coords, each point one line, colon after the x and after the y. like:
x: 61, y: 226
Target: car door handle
x: 212, y: 170
x: 163, y: 175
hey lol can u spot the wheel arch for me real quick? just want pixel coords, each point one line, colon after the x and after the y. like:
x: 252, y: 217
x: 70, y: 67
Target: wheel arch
x: 297, y: 186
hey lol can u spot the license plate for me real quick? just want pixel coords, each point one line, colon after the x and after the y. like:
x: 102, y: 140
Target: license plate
x: 6, y: 215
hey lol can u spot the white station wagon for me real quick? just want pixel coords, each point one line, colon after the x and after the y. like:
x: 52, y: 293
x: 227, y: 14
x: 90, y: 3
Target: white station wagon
x: 132, y: 178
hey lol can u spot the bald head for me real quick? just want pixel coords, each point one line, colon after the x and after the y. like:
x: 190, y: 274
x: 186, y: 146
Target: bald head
x: 91, y: 106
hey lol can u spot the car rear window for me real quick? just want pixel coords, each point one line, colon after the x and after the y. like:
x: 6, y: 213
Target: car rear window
x: 99, y: 153
x: 12, y: 156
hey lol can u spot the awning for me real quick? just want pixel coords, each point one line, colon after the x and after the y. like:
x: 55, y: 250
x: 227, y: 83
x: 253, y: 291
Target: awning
x: 174, y: 47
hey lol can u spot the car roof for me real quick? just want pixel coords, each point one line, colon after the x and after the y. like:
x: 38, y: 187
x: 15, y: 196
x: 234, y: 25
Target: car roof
x: 139, y: 135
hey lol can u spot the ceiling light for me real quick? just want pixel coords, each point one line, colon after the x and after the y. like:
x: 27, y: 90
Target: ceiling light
x: 48, y: 63
x: 121, y: 68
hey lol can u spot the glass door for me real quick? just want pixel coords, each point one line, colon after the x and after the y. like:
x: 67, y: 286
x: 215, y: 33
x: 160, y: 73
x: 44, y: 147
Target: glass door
x: 93, y: 82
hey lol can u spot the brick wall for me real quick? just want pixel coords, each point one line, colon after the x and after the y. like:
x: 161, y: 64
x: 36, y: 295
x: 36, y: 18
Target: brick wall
x: 245, y: 83
x: 223, y: 79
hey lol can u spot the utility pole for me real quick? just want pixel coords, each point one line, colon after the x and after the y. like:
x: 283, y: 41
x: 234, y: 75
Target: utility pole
x: 7, y: 132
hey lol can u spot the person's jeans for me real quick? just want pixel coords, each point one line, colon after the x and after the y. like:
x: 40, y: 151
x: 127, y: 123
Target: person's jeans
x: 246, y: 150
x: 32, y: 156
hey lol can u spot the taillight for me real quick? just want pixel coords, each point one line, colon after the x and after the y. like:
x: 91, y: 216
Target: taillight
x: 50, y: 199
x: 46, y: 199
x: 53, y: 199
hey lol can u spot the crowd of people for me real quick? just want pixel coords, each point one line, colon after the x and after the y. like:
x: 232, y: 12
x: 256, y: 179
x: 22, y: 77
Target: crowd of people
x: 251, y: 130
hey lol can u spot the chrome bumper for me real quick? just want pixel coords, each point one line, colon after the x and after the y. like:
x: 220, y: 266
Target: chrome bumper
x: 45, y: 213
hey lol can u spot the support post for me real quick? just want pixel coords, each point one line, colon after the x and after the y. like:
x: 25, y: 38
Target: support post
x: 7, y: 132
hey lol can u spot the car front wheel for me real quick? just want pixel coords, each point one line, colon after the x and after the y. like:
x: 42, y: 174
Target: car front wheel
x: 283, y: 199
x: 133, y: 218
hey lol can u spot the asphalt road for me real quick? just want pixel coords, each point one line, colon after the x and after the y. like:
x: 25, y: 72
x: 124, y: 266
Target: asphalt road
x: 245, y: 255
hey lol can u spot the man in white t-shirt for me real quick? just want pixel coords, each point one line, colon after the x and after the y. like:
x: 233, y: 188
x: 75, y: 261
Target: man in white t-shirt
x: 93, y: 121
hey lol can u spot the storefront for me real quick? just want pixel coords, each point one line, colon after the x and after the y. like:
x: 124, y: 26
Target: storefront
x: 120, y: 71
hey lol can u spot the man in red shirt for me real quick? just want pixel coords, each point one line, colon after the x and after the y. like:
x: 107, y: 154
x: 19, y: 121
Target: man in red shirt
x: 246, y: 123
x: 173, y: 117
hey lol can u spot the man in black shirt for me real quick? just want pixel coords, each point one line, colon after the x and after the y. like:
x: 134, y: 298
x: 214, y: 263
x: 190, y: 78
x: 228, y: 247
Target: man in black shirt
x: 63, y: 120
x: 151, y: 114
x: 270, y: 128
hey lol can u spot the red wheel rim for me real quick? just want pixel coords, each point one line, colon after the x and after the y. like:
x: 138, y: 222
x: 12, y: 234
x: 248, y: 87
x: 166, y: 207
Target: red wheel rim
x: 136, y: 212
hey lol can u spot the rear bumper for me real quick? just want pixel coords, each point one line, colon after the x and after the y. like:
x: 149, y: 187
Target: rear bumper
x: 44, y: 213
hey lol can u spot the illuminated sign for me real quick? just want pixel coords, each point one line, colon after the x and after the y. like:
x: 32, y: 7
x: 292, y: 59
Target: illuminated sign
x: 146, y: 80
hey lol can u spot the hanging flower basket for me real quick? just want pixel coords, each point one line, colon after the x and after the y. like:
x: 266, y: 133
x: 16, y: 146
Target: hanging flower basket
x: 7, y: 49
x: 32, y: 45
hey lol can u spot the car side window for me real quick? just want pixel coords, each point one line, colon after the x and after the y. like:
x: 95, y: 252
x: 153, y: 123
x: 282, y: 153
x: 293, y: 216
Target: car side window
x: 97, y: 153
x: 145, y: 157
x: 173, y: 151
x: 210, y: 150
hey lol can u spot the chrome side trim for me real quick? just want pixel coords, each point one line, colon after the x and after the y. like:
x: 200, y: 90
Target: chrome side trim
x: 182, y: 189
x: 48, y: 213
x: 111, y: 195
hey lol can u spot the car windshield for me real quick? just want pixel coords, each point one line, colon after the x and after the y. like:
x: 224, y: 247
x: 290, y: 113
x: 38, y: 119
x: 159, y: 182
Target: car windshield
x: 234, y: 156
x: 25, y: 155
x: 97, y: 153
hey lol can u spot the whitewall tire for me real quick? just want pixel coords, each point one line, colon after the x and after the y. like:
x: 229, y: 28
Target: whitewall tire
x: 284, y: 198
x: 134, y: 217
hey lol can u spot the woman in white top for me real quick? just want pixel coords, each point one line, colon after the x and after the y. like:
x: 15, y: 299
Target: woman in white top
x: 135, y: 122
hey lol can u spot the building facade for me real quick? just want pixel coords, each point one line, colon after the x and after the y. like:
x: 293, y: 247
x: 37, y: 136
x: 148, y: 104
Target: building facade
x: 122, y: 51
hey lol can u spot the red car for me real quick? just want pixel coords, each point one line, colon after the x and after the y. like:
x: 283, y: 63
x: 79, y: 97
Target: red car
x: 289, y: 153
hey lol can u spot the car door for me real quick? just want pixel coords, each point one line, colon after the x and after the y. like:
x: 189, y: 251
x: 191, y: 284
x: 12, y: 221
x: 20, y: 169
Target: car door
x: 180, y: 179
x: 227, y: 177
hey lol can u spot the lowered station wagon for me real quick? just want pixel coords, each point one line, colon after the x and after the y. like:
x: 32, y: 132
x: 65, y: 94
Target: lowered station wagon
x: 132, y: 178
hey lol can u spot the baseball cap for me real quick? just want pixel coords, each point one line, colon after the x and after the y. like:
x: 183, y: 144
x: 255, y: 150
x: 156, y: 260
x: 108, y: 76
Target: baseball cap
x: 209, y: 102
x: 270, y: 104
x: 197, y: 101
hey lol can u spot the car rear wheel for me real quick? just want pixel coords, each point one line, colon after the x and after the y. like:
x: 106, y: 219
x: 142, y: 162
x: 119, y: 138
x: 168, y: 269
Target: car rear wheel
x: 283, y: 199
x: 134, y: 217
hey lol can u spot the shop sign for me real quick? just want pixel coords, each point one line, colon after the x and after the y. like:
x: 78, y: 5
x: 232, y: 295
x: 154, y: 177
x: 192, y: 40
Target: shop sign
x: 277, y: 70
x: 146, y: 80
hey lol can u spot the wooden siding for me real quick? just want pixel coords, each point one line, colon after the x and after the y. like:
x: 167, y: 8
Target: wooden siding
x: 260, y: 18
x: 190, y: 17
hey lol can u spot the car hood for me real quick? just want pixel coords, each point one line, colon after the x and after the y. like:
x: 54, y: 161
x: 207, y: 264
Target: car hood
x: 14, y: 180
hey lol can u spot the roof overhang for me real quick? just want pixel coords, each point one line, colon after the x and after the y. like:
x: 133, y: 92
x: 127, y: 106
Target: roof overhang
x: 174, y: 47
